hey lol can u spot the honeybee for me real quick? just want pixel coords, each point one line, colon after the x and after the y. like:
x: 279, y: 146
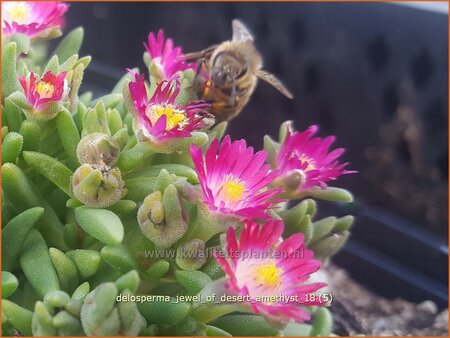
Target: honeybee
x: 234, y: 68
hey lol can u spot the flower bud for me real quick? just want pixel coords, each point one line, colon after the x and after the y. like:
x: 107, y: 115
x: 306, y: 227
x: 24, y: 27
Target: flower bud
x: 161, y: 217
x: 293, y: 181
x: 191, y: 255
x: 188, y: 191
x: 98, y: 150
x: 96, y: 188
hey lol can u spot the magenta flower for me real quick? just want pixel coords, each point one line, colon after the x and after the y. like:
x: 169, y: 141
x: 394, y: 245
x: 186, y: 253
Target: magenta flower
x: 301, y: 153
x: 33, y: 18
x: 165, y: 56
x: 262, y: 267
x: 44, y: 91
x: 160, y: 118
x: 233, y: 179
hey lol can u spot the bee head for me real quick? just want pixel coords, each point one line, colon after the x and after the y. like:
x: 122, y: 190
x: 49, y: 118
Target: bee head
x: 226, y: 69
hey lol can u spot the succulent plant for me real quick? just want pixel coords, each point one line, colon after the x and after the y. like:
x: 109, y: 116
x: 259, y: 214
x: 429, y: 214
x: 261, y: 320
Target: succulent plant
x: 128, y: 214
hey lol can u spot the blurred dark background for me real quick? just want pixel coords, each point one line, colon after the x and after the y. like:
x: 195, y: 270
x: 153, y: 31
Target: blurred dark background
x: 374, y: 74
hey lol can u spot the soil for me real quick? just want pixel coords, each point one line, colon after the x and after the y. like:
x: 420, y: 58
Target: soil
x: 358, y: 311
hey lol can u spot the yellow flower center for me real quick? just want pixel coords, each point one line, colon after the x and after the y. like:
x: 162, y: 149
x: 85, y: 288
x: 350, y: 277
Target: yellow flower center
x: 18, y: 12
x: 232, y: 189
x: 175, y: 117
x: 310, y: 162
x: 45, y: 89
x: 268, y: 274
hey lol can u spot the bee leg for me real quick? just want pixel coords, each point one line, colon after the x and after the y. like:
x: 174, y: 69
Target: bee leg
x: 200, y: 63
x: 232, y: 102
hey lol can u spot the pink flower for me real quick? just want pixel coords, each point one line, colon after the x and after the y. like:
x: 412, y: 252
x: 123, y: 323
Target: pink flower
x: 233, y: 178
x: 33, y: 18
x: 301, y: 153
x: 165, y: 56
x: 41, y: 92
x: 261, y: 265
x: 160, y: 117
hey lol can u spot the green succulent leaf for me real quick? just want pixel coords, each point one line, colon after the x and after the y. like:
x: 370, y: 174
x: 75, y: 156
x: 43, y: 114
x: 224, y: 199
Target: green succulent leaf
x: 138, y: 188
x: 131, y: 320
x: 101, y: 224
x: 297, y: 330
x: 85, y: 61
x: 322, y: 227
x: 66, y: 270
x: 114, y: 120
x: 130, y: 159
x: 67, y: 324
x: 171, y: 168
x: 70, y: 45
x: 164, y: 313
x: 109, y: 101
x: 50, y: 168
x: 129, y: 281
x: 87, y: 261
x: 22, y: 41
x: 68, y: 64
x: 323, y: 323
x: 77, y: 78
x: 272, y: 148
x: 212, y: 331
x: 244, y: 325
x: 13, y: 115
x: 81, y: 292
x: 15, y: 233
x: 312, y: 208
x: 52, y: 65
x: 11, y: 147
x: 344, y: 223
x: 158, y: 269
x: 293, y: 217
x: 37, y: 264
x: 31, y: 132
x: 94, y: 120
x: 213, y: 269
x: 123, y: 207
x: 19, y: 188
x: 42, y: 321
x: 331, y: 194
x: 97, y: 311
x: 194, y: 281
x: 329, y: 245
x: 69, y: 135
x: 10, y: 82
x: 9, y: 284
x: 306, y: 228
x: 284, y: 128
x: 18, y: 316
x: 119, y: 257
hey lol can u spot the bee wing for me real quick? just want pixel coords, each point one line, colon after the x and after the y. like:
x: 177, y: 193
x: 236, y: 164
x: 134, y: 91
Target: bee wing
x: 272, y: 79
x: 205, y: 53
x: 240, y: 32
